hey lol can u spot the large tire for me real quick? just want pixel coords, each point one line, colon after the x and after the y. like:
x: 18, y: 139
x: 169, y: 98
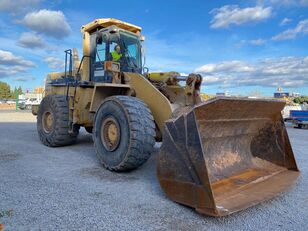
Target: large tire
x: 53, y: 122
x: 133, y: 124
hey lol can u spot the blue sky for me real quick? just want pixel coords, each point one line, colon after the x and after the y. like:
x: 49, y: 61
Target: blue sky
x: 242, y: 47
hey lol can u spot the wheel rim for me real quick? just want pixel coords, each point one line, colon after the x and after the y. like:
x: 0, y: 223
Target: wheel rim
x: 110, y: 133
x: 47, y: 121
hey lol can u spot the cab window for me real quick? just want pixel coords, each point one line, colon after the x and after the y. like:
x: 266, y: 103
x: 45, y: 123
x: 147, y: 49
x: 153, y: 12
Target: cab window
x: 101, y: 52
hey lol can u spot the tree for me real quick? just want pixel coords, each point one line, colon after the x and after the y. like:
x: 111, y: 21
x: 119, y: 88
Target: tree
x: 19, y: 90
x: 301, y: 99
x: 13, y: 94
x: 5, y: 90
x: 296, y: 100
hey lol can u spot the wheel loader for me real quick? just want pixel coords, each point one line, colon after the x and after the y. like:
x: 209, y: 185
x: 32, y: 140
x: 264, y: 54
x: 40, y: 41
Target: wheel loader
x: 217, y: 156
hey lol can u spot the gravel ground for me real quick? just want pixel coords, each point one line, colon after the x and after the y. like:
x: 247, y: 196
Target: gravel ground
x: 10, y: 116
x: 65, y: 188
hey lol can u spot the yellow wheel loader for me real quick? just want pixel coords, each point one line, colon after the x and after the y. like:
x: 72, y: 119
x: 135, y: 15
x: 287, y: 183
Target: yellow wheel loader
x: 218, y: 156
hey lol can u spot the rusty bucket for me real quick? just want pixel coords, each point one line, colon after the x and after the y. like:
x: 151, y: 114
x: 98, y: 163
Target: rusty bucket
x: 226, y: 154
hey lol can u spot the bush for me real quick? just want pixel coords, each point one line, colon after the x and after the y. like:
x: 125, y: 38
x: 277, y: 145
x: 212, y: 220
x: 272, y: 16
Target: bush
x: 301, y: 99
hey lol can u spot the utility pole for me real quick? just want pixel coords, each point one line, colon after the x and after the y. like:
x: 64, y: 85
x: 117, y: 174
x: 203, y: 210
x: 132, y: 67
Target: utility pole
x: 17, y: 95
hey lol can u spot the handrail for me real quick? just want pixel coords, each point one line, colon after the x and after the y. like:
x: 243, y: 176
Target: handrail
x: 76, y: 80
x: 68, y: 52
x: 77, y: 73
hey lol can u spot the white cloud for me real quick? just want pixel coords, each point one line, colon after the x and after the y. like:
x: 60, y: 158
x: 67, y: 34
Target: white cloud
x: 285, y: 72
x: 51, y: 23
x: 9, y: 59
x: 229, y: 66
x: 233, y: 14
x: 54, y: 63
x: 301, y: 28
x: 14, y: 6
x: 210, y: 79
x: 31, y: 40
x: 12, y: 65
x: 11, y: 71
x: 285, y: 21
x: 257, y: 42
x: 254, y: 42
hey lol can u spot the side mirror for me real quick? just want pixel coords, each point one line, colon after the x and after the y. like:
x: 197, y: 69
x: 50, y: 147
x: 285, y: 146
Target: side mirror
x: 142, y: 51
x: 145, y: 70
x: 143, y: 55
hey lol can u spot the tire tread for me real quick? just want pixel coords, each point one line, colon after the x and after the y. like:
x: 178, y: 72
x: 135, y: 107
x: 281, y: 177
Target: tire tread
x: 60, y: 136
x: 142, y: 128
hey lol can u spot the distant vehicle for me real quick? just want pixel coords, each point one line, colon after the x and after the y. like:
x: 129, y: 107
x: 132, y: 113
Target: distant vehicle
x: 28, y: 103
x: 286, y: 111
x: 299, y: 118
x: 21, y: 104
x: 11, y: 101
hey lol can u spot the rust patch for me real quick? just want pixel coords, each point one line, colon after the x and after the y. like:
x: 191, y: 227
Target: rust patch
x: 226, y: 159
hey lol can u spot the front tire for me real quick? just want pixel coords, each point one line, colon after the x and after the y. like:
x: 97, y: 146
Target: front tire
x: 53, y: 122
x: 123, y: 133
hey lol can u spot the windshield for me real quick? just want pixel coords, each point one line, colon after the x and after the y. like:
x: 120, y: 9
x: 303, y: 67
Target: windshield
x: 132, y: 50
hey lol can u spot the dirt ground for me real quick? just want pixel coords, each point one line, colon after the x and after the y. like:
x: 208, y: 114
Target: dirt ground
x: 65, y: 188
x: 5, y: 106
x: 10, y: 115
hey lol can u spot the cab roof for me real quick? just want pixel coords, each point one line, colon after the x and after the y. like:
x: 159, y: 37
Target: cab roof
x: 105, y: 22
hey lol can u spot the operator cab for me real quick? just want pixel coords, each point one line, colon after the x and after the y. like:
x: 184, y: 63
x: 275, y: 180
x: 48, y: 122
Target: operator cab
x: 103, y: 43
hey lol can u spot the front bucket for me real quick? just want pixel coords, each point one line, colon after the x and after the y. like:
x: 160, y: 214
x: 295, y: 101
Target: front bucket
x: 226, y: 154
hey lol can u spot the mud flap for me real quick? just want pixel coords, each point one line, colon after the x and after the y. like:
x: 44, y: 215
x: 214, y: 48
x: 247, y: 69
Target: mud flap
x: 226, y: 154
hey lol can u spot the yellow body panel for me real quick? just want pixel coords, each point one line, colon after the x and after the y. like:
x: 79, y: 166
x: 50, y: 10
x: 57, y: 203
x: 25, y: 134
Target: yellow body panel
x: 162, y: 76
x: 103, y: 90
x: 105, y: 22
x: 88, y: 100
x: 82, y: 102
x: 156, y: 101
x: 86, y: 52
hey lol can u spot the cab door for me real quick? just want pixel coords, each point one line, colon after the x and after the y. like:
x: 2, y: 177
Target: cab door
x: 99, y: 54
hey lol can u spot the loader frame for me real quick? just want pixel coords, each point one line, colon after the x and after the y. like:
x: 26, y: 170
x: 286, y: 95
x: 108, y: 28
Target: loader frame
x: 218, y: 156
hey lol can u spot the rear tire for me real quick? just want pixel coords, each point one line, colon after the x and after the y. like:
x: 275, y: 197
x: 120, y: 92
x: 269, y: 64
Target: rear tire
x: 53, y: 122
x: 123, y: 133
